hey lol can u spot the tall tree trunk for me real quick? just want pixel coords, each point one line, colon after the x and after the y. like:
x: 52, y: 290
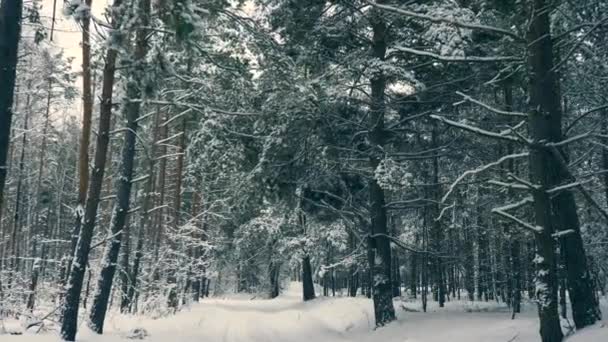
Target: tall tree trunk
x: 544, y: 95
x: 17, y: 219
x: 379, y: 243
x: 10, y: 34
x: 77, y: 271
x: 146, y: 222
x: 437, y: 230
x: 605, y: 153
x: 482, y: 253
x: 545, y: 126
x: 172, y: 300
x: 37, y: 264
x: 85, y: 135
x: 123, y: 188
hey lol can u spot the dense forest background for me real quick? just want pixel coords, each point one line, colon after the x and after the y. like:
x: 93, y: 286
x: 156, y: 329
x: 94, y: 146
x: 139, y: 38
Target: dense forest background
x: 441, y: 150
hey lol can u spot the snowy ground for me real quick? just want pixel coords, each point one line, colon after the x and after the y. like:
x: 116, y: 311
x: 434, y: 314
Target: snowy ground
x: 287, y: 319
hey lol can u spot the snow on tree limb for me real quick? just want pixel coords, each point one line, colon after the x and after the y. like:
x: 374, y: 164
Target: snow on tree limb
x: 446, y: 20
x: 568, y: 186
x: 474, y: 129
x: 512, y: 206
x: 513, y: 186
x: 534, y: 229
x: 570, y: 140
x: 481, y: 169
x: 465, y: 59
x: 490, y: 108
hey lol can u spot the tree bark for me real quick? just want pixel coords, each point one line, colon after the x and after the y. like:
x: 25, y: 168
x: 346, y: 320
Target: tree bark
x: 172, y: 300
x: 146, y: 222
x: 85, y: 136
x: 72, y: 299
x: 545, y: 126
x: 10, y: 34
x: 308, y: 288
x: 123, y: 188
x: 543, y: 87
x: 378, y: 243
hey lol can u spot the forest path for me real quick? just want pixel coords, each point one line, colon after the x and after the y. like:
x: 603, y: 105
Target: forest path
x: 325, y: 319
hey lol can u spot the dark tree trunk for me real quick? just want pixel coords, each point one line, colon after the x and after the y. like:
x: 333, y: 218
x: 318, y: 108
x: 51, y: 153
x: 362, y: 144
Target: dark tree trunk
x: 544, y: 95
x: 469, y: 272
x: 482, y: 256
x: 75, y: 282
x: 379, y: 243
x: 545, y: 125
x: 436, y: 228
x: 124, y: 183
x: 605, y: 153
x: 563, y: 308
x: 10, y: 34
x: 308, y: 288
x: 125, y: 274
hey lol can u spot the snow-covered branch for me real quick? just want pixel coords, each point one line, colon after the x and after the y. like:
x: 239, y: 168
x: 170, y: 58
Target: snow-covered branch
x: 570, y: 140
x: 453, y: 22
x: 513, y: 186
x: 490, y: 108
x: 474, y: 129
x: 481, y: 169
x: 460, y: 59
x: 534, y: 229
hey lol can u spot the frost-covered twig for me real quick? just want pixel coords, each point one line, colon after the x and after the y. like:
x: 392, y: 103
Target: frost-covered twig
x: 570, y: 140
x: 522, y: 181
x: 463, y: 59
x: 564, y: 166
x: 139, y: 179
x: 475, y: 129
x: 173, y: 118
x: 513, y: 186
x: 490, y: 108
x: 568, y: 186
x: 516, y: 205
x: 446, y: 20
x: 162, y: 141
x: 563, y: 233
x: 106, y: 239
x: 195, y: 106
x: 534, y: 229
x: 170, y: 155
x: 444, y: 210
x: 580, y: 117
x: 580, y: 41
x: 481, y: 169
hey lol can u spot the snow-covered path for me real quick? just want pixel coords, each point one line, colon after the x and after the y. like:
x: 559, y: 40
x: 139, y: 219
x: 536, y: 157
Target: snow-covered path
x: 288, y: 319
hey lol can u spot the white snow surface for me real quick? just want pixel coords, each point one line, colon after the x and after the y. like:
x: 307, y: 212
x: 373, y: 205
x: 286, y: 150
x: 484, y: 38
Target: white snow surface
x: 288, y: 319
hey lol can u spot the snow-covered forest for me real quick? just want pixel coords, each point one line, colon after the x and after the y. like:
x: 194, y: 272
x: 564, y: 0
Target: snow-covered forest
x: 297, y: 170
